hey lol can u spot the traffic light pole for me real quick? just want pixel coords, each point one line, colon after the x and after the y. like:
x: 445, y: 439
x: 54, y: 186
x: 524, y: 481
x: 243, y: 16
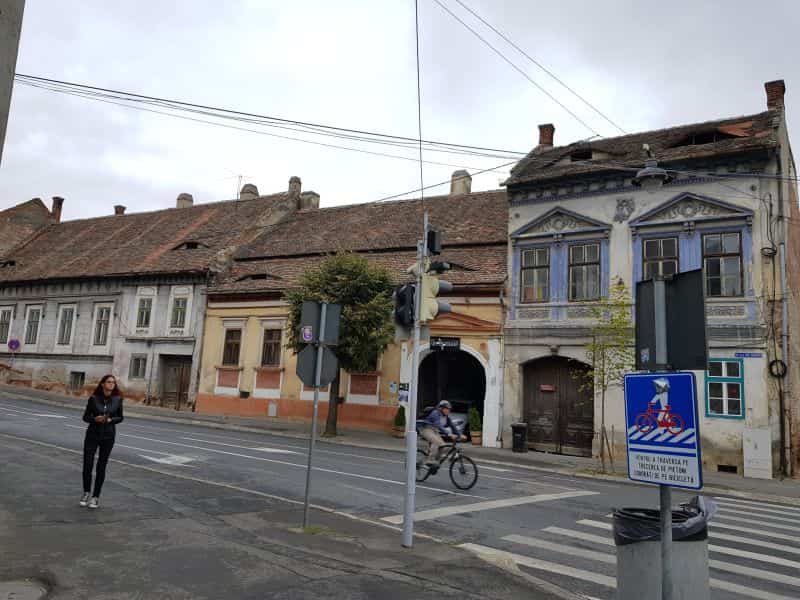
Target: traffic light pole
x: 411, y: 413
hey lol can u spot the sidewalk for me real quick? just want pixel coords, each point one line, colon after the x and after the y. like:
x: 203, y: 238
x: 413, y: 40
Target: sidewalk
x: 787, y: 491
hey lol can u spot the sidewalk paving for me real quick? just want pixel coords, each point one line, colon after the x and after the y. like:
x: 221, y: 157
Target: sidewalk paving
x: 787, y: 490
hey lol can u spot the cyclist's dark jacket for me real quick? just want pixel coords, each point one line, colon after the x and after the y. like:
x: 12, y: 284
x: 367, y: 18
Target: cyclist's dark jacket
x: 96, y: 406
x: 434, y: 419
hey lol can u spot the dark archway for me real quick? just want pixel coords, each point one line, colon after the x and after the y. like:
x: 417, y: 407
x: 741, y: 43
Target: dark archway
x: 455, y: 376
x: 559, y: 412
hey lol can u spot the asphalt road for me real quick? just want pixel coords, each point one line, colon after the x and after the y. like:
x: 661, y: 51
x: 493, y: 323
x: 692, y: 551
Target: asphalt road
x: 553, y: 527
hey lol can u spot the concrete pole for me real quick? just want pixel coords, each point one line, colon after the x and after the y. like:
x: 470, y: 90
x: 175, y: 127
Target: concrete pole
x: 10, y: 28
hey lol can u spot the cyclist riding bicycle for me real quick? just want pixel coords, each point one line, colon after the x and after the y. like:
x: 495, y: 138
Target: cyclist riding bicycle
x: 435, y: 429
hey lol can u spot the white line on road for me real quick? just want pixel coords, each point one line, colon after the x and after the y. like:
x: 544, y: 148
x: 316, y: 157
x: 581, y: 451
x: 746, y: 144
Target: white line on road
x: 775, y: 560
x: 260, y: 449
x: 595, y: 524
x: 446, y: 511
x: 773, y: 534
x: 579, y: 535
x: 171, y: 459
x: 758, y: 507
x: 493, y: 555
x: 725, y: 517
x: 748, y: 513
x: 49, y: 415
x: 716, y: 535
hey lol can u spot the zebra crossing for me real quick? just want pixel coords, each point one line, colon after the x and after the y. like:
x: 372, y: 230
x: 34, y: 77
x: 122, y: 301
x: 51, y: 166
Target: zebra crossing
x: 754, y: 552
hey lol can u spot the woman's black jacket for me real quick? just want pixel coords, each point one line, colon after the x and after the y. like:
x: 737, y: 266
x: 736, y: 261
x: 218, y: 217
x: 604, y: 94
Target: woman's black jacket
x: 102, y: 405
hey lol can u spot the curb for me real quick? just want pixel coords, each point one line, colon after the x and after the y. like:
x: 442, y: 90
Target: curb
x: 708, y: 489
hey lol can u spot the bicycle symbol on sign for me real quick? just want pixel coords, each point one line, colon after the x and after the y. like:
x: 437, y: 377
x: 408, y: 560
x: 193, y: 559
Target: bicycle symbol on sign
x: 654, y: 418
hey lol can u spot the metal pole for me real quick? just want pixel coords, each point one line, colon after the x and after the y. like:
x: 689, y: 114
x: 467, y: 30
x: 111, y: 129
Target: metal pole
x: 660, y: 308
x: 411, y: 421
x: 317, y: 375
x: 666, y: 542
x: 10, y: 28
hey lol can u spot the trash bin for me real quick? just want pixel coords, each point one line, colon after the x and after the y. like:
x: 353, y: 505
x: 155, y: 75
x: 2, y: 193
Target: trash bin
x: 637, y: 535
x: 519, y: 437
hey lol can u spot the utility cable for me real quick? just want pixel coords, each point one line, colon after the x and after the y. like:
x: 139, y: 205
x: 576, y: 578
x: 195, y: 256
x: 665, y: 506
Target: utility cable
x: 540, y: 65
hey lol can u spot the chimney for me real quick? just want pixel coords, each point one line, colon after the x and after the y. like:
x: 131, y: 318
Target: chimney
x: 295, y: 185
x: 309, y: 200
x: 775, y: 91
x: 546, y: 132
x: 184, y: 201
x: 119, y: 209
x: 55, y: 212
x: 249, y: 192
x: 460, y: 182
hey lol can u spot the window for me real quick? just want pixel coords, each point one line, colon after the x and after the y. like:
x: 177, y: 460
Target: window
x: 660, y: 257
x: 535, y: 275
x: 76, y: 380
x: 102, y: 321
x: 271, y: 349
x: 584, y: 272
x: 178, y: 320
x: 143, y: 313
x: 230, y: 352
x: 5, y: 324
x: 138, y: 366
x: 725, y: 388
x: 722, y: 264
x: 32, y: 325
x: 66, y: 319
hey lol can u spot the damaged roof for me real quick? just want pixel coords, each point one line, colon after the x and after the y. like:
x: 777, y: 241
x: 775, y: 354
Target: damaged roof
x: 709, y: 139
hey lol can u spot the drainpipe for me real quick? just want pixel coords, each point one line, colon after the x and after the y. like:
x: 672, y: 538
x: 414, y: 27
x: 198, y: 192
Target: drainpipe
x: 786, y: 449
x: 501, y: 399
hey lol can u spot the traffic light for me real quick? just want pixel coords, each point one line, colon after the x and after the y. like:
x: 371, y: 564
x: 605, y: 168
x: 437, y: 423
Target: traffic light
x: 404, y: 305
x: 431, y: 287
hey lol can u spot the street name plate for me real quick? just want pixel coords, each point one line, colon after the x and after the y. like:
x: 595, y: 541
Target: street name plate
x: 662, y: 429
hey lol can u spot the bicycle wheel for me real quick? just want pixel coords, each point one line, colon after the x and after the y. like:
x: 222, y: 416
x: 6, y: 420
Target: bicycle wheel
x: 463, y: 472
x: 422, y: 469
x: 677, y: 425
x: 645, y: 423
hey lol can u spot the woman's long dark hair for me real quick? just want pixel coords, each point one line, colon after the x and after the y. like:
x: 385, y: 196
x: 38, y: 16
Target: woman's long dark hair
x: 98, y: 391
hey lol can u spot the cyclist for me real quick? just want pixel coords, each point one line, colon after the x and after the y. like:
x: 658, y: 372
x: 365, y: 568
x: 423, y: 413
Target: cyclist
x: 661, y: 397
x: 435, y: 429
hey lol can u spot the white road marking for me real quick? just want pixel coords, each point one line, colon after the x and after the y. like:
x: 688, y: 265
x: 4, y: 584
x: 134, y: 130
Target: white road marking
x: 446, y: 511
x: 747, y: 591
x: 747, y: 512
x: 725, y: 517
x: 297, y: 465
x: 170, y: 459
x: 716, y: 535
x: 738, y: 569
x: 492, y: 555
x: 50, y: 416
x: 596, y: 524
x: 775, y: 560
x: 759, y: 508
x: 260, y: 449
x: 773, y: 534
x: 579, y: 535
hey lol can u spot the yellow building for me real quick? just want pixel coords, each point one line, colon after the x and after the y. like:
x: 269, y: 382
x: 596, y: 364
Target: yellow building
x: 247, y: 370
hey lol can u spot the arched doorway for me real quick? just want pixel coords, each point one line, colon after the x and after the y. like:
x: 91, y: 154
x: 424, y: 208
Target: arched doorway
x: 456, y: 376
x: 559, y: 409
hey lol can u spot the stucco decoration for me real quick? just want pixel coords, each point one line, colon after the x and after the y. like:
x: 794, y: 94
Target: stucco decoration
x: 625, y: 208
x: 560, y: 221
x: 725, y: 310
x: 557, y: 223
x: 579, y: 312
x: 534, y: 313
x: 690, y: 209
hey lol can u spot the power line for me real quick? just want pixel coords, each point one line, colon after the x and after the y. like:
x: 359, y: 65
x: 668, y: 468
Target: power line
x: 20, y: 77
x: 540, y: 65
x: 516, y: 68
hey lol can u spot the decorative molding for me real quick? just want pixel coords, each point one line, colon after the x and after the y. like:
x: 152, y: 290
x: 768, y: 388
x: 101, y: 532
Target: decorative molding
x: 726, y: 310
x: 533, y: 313
x: 579, y: 312
x: 559, y: 221
x: 461, y: 322
x: 625, y: 208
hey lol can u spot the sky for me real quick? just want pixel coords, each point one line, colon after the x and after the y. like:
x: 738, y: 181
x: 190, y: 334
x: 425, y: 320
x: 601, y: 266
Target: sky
x: 352, y: 63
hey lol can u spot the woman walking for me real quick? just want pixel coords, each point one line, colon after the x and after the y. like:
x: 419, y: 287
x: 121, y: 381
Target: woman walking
x: 103, y: 412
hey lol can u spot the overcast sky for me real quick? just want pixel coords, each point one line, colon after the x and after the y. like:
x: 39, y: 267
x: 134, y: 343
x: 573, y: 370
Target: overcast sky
x: 351, y: 63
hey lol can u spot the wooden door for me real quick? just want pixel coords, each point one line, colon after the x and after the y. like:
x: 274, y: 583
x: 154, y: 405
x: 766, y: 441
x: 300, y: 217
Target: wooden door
x: 177, y: 371
x: 559, y: 414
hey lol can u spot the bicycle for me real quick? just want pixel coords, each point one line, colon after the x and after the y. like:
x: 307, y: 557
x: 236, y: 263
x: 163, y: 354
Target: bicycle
x: 647, y: 421
x: 463, y: 471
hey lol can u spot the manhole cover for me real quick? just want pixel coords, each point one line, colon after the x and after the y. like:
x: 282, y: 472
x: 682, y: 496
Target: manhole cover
x: 22, y: 590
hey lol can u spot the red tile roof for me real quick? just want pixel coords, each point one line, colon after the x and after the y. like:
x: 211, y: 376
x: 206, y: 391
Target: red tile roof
x: 20, y: 222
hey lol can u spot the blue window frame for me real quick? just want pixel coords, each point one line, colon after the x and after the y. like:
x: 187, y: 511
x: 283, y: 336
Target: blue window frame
x: 725, y: 388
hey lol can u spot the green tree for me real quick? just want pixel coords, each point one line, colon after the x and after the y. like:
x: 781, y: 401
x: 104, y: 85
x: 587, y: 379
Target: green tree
x: 366, y: 328
x: 610, y: 352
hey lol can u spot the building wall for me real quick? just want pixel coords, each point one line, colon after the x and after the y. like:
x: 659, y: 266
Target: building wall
x: 371, y: 400
x: 736, y: 325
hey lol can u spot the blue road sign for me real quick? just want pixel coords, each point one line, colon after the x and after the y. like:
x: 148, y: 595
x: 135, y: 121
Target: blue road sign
x: 662, y: 435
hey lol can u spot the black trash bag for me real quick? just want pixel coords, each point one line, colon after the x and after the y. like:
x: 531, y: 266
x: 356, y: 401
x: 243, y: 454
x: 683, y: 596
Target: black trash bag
x: 689, y: 523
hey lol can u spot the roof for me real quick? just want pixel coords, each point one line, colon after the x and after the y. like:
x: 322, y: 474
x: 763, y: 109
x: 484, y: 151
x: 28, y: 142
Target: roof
x: 476, y: 266
x: 671, y: 145
x: 463, y: 219
x: 20, y: 222
x: 474, y: 228
x: 138, y: 243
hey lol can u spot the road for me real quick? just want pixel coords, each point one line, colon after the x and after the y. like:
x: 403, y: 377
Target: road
x: 554, y: 527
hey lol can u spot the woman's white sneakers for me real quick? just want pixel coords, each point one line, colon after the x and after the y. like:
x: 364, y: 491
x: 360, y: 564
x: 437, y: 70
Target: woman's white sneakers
x: 84, y: 500
x: 94, y: 503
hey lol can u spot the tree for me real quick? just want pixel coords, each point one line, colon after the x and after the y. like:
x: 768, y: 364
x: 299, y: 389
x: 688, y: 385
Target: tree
x: 610, y: 353
x: 366, y: 327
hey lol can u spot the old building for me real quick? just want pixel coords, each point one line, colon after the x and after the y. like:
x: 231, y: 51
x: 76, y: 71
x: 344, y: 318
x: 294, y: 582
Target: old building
x: 578, y: 223
x: 248, y: 371
x: 20, y: 222
x: 123, y: 294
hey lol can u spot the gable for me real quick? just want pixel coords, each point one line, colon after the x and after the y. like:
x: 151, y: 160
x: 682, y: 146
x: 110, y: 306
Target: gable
x: 450, y: 322
x: 687, y: 207
x: 559, y: 221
